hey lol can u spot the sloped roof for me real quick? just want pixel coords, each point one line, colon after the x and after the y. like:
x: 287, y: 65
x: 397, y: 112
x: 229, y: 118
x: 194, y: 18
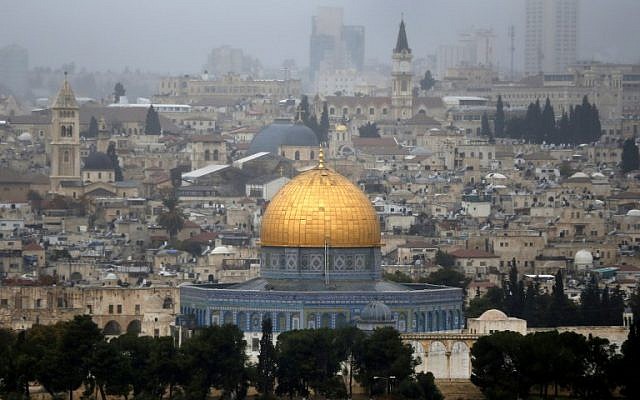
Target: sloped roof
x: 65, y: 97
x: 402, y: 44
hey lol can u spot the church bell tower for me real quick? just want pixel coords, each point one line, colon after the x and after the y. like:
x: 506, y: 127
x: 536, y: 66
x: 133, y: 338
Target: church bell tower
x: 65, y: 139
x: 401, y: 73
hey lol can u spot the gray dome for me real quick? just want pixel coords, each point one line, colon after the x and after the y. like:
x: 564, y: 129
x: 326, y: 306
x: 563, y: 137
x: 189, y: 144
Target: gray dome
x: 277, y: 134
x: 98, y: 161
x: 376, y: 311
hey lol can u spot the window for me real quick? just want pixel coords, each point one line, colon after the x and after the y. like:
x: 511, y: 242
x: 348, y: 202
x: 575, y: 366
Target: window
x: 119, y: 308
x: 137, y: 309
x: 207, y: 155
x: 255, y: 344
x: 296, y: 155
x: 110, y: 308
x: 65, y: 156
x: 312, y: 155
x: 332, y: 111
x: 215, y: 155
x: 371, y: 111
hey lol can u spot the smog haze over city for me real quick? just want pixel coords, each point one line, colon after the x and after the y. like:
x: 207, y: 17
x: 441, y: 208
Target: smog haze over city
x: 175, y: 36
x: 319, y: 199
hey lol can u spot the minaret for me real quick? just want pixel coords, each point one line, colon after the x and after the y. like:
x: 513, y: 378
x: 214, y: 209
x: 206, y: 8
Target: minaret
x: 104, y: 136
x: 65, y: 138
x: 401, y: 73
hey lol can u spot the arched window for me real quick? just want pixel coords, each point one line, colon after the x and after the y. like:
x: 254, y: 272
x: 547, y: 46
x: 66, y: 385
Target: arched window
x: 65, y: 156
x: 69, y: 131
x: 296, y: 155
x: 207, y: 155
x: 216, y: 155
x: 332, y: 111
x: 404, y: 86
x: 63, y: 131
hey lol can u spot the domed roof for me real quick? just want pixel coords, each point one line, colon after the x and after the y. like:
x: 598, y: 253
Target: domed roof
x: 579, y: 175
x: 583, y: 257
x: 633, y: 213
x: 493, y: 315
x: 98, y: 161
x: 25, y: 137
x: 376, y: 311
x: 320, y: 206
x: 277, y: 134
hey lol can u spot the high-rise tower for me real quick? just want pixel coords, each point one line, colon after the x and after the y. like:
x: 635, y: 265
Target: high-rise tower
x: 401, y: 72
x: 551, y: 35
x: 65, y: 138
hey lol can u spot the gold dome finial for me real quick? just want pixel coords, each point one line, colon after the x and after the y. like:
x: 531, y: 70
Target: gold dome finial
x: 321, y: 159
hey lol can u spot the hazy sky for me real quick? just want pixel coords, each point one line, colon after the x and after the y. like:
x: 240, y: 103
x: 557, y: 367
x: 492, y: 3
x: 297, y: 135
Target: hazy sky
x: 176, y: 35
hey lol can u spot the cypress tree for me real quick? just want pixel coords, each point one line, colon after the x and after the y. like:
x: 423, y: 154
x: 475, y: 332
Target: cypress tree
x: 499, y: 122
x: 324, y: 124
x: 152, y: 122
x: 630, y: 156
x: 266, y: 361
x: 93, y: 127
x: 548, y: 122
x: 111, y: 152
x: 485, y: 130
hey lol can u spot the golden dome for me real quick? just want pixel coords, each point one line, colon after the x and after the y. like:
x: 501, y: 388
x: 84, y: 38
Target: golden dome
x: 317, y: 207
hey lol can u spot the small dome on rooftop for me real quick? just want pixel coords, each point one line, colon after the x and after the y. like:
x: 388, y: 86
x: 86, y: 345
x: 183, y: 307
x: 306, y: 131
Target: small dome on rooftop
x: 583, y: 257
x: 271, y: 137
x: 98, y: 161
x: 493, y: 315
x: 633, y: 213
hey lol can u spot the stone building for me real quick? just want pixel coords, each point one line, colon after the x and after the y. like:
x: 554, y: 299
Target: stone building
x: 320, y: 266
x: 116, y: 310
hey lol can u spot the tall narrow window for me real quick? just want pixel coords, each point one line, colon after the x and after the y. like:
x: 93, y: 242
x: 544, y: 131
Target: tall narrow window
x: 65, y: 156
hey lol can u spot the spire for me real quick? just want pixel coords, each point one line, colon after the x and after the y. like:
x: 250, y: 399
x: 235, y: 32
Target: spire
x: 65, y: 97
x: 402, y: 43
x: 321, y: 159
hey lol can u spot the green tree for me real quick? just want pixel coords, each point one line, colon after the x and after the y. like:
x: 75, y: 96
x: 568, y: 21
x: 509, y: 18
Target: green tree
x: 485, y: 129
x: 499, y: 366
x: 266, y: 370
x: 10, y: 383
x: 110, y: 370
x: 444, y: 259
x: 215, y: 358
x: 303, y: 114
x: 499, y: 121
x: 118, y: 91
x: 493, y: 299
x: 113, y: 155
x: 448, y: 277
x: 324, y: 124
x: 384, y: 360
x: 590, y: 304
x: 630, y: 364
x: 369, y: 130
x: 93, y: 128
x: 630, y: 156
x: 152, y: 122
x: 428, y: 388
x: 548, y: 122
x: 171, y: 219
x: 307, y: 359
x: 349, y: 341
x: 428, y: 82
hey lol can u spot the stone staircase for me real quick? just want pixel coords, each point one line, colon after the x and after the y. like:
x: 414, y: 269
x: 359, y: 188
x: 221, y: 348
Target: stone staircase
x: 459, y: 389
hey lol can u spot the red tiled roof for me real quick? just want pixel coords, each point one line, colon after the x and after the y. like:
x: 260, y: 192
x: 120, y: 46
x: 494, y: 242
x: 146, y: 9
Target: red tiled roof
x: 203, y: 237
x: 32, y: 247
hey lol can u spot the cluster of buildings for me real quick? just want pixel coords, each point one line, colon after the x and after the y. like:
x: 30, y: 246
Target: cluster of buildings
x: 280, y: 225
